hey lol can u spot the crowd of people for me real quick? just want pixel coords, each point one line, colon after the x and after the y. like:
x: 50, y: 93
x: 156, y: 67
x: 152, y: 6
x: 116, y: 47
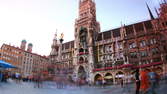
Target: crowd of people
x: 147, y: 81
x: 5, y: 75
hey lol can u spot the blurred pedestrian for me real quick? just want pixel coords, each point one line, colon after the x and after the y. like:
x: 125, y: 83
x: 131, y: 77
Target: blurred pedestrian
x: 38, y: 80
x: 18, y: 77
x: 5, y: 77
x: 122, y: 83
x: 1, y: 75
x: 144, y: 81
x: 165, y: 78
x: 103, y: 83
x: 154, y: 81
x: 137, y: 81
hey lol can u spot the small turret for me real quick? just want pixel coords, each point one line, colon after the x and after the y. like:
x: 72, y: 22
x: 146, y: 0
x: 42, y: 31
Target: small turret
x: 55, y: 45
x: 61, y: 38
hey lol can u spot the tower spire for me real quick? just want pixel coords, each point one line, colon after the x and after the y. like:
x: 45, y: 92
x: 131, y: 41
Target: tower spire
x: 150, y: 13
x: 156, y: 11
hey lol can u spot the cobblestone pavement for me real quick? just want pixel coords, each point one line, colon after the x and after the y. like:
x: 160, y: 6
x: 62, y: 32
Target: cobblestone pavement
x: 50, y: 88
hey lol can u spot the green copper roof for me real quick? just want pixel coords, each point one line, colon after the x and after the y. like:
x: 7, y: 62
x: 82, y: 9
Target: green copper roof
x: 30, y: 44
x: 23, y: 41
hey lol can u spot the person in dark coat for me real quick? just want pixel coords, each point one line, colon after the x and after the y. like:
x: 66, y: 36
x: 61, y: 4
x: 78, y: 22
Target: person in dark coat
x: 1, y: 76
x: 137, y: 80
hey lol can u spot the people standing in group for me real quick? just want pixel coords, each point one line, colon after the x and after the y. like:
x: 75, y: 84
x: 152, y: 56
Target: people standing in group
x: 137, y: 80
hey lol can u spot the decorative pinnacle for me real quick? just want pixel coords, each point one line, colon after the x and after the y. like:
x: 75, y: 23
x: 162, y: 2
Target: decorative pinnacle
x: 61, y: 36
x: 149, y: 10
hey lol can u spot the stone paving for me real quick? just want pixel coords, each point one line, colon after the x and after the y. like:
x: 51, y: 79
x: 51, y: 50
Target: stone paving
x: 50, y: 88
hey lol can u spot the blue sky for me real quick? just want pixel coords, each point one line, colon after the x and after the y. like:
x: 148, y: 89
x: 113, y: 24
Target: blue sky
x: 112, y: 13
x: 37, y: 20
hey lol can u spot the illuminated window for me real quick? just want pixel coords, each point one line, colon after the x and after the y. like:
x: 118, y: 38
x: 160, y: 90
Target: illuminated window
x: 133, y: 55
x: 132, y: 45
x: 153, y: 41
x: 143, y: 54
x: 142, y: 43
x: 155, y: 51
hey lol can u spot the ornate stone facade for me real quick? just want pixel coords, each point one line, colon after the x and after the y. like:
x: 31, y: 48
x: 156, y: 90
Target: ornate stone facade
x: 114, y: 54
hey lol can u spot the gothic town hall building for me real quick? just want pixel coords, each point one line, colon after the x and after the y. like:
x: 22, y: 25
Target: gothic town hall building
x: 114, y: 54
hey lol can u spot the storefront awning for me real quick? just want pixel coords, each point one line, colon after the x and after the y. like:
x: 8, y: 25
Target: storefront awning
x: 4, y: 64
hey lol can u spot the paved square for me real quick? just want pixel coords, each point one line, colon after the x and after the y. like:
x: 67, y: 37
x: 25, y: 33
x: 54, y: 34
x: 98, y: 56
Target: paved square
x: 50, y: 88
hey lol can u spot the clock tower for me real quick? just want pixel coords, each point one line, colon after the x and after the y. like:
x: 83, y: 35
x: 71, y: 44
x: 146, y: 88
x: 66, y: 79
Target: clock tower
x: 86, y: 30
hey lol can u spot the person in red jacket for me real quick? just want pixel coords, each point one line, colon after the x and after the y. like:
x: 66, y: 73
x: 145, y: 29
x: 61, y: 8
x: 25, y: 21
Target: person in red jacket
x: 144, y: 81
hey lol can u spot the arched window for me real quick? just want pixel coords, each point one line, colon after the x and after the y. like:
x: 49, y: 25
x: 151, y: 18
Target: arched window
x: 83, y: 37
x: 81, y: 59
x: 81, y: 50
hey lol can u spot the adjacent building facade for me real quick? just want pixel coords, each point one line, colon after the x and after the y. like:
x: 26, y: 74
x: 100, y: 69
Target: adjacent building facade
x: 11, y: 54
x: 114, y: 54
x: 27, y: 63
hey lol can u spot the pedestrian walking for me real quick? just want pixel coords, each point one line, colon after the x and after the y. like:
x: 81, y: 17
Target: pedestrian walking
x: 144, y: 81
x: 103, y: 83
x: 137, y: 81
x: 165, y: 78
x: 154, y: 81
x: 38, y: 80
x: 18, y: 77
x: 1, y: 75
x: 5, y: 77
x: 122, y: 83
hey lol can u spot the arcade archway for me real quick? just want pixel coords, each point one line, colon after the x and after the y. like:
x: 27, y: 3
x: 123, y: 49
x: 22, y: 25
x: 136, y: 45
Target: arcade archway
x: 98, y: 79
x: 108, y: 78
x: 81, y: 73
x: 119, y: 77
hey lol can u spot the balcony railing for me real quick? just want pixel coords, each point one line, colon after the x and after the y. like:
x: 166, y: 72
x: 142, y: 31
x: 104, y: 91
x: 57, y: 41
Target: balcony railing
x: 113, y: 67
x: 130, y: 36
x: 83, y: 53
x: 141, y: 33
x: 81, y: 62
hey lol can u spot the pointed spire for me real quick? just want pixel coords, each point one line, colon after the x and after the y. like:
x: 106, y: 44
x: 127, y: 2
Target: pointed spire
x: 55, y: 37
x: 156, y: 11
x: 161, y: 1
x: 150, y: 13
